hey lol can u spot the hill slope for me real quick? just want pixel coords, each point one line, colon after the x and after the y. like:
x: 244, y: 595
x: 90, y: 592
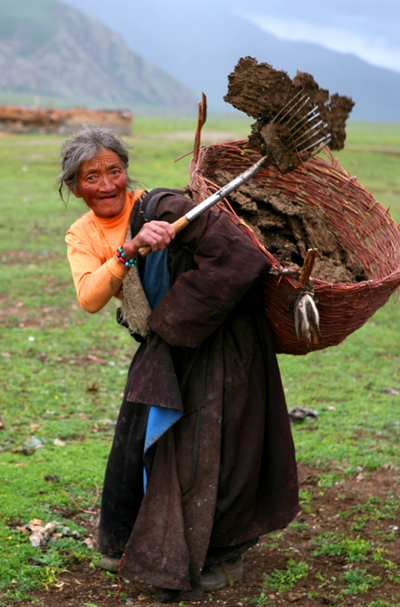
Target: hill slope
x: 202, y: 46
x: 49, y: 48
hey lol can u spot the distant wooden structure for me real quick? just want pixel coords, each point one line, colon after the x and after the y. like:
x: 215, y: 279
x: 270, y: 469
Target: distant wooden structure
x: 22, y: 120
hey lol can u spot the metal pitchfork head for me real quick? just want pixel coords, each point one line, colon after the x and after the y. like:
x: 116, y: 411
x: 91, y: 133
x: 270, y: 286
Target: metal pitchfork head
x: 294, y: 130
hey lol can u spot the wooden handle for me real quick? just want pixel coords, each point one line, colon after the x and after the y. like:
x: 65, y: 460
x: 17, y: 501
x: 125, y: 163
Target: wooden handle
x: 144, y: 251
x: 308, y: 266
x: 178, y: 225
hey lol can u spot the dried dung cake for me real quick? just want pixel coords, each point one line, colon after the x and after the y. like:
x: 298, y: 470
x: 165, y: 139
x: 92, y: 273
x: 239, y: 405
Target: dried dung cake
x: 288, y: 229
x: 267, y: 94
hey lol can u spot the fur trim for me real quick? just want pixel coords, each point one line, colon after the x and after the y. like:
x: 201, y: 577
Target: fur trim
x: 134, y: 304
x: 306, y: 318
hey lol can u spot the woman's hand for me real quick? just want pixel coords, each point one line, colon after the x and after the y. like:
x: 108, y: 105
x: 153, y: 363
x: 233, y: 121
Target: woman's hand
x: 156, y: 234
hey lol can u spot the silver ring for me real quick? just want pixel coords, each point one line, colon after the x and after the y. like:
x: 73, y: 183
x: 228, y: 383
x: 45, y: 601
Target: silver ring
x: 156, y: 228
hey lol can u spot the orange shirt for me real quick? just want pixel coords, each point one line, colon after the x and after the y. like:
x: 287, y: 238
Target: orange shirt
x: 92, y: 244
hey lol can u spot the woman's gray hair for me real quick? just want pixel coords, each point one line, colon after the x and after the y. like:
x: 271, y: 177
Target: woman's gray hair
x: 83, y: 146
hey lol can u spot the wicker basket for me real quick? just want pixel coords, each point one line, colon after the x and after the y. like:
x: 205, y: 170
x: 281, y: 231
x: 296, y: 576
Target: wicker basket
x: 362, y: 226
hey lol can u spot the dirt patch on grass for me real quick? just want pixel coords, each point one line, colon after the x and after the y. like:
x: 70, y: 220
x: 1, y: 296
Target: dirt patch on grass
x: 30, y: 259
x: 342, y: 549
x: 25, y: 317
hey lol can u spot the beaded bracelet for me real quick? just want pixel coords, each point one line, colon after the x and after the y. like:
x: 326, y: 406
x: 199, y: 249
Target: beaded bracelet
x: 122, y: 258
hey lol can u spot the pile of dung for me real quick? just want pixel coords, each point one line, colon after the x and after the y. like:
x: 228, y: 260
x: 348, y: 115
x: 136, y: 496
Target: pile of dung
x: 293, y: 118
x: 288, y: 229
x: 270, y: 95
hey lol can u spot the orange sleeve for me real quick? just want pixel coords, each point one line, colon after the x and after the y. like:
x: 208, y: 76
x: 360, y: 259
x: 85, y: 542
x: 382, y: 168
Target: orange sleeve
x: 91, y: 254
x: 96, y: 279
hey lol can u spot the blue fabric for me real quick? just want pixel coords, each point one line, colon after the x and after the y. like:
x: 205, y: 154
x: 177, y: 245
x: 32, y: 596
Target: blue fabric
x: 156, y: 276
x: 156, y: 284
x: 160, y: 420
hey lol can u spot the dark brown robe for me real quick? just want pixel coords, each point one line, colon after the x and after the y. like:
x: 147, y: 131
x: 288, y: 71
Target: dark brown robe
x: 225, y: 473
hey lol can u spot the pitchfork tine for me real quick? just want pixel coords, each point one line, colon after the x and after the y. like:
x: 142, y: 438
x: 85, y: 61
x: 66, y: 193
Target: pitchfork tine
x: 290, y: 107
x: 324, y: 139
x: 308, y: 134
x: 312, y: 114
x: 301, y: 147
x: 306, y: 100
x: 286, y: 105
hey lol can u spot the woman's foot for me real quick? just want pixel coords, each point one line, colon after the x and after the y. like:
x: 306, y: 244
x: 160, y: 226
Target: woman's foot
x: 167, y: 596
x: 223, y: 574
x: 108, y: 563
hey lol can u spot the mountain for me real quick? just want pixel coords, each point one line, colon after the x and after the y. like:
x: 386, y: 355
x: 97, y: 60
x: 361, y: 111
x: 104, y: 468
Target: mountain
x: 49, y: 48
x: 200, y: 43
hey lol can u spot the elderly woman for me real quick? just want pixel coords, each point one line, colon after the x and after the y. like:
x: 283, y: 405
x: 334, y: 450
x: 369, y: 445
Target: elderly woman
x: 202, y: 461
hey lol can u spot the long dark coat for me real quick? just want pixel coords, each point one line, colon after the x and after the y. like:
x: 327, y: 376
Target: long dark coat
x: 225, y: 473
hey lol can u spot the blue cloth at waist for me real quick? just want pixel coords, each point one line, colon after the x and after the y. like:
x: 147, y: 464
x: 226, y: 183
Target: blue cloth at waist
x: 156, y: 284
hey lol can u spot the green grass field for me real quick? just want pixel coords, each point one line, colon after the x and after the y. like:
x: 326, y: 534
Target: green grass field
x: 62, y: 371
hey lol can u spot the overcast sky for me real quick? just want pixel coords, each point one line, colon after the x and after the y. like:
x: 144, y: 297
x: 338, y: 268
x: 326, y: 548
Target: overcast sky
x: 369, y: 29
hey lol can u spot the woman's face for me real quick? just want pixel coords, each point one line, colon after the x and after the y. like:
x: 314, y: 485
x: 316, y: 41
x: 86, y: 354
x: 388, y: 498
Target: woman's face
x: 102, y: 184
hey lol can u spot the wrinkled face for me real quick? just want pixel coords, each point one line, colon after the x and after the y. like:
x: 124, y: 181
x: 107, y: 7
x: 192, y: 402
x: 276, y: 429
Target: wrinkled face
x: 102, y: 184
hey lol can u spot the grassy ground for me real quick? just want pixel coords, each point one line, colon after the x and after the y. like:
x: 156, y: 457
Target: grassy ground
x: 62, y: 372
